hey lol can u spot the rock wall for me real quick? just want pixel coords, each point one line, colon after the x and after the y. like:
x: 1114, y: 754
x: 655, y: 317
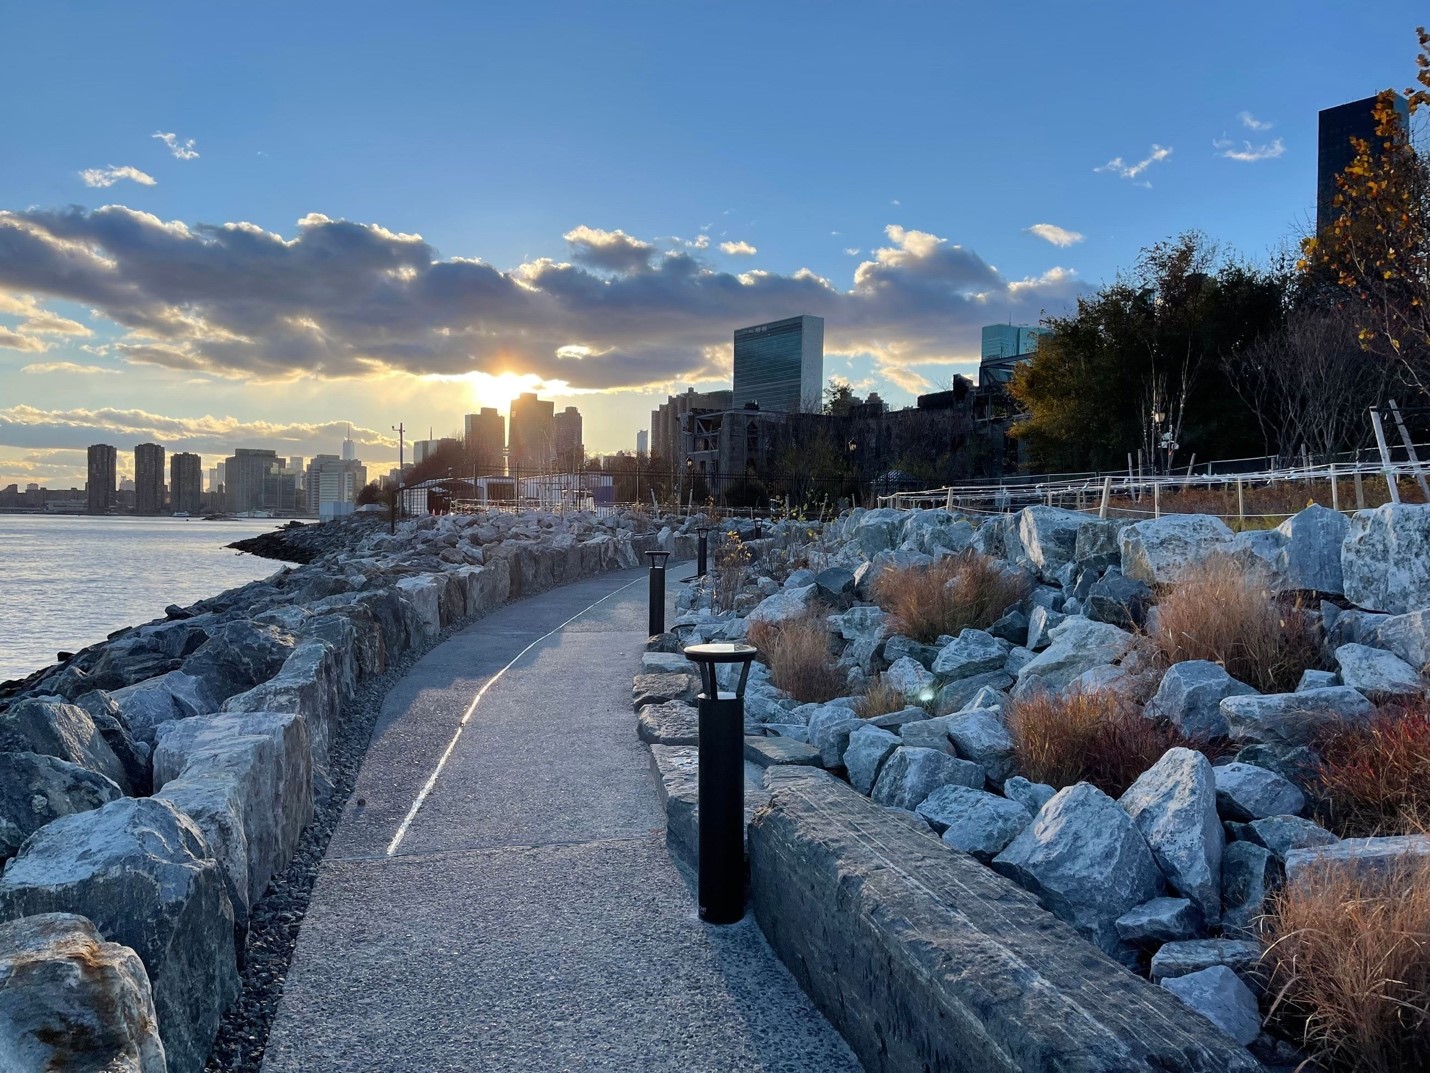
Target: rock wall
x: 224, y: 711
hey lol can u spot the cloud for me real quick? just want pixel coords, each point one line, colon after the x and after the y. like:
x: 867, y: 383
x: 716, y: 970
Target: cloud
x: 853, y: 251
x: 1248, y: 153
x: 1252, y: 123
x: 181, y: 150
x: 111, y: 175
x: 342, y: 300
x: 738, y: 249
x: 1120, y: 167
x: 12, y: 340
x: 37, y: 319
x: 1058, y: 236
x: 66, y: 367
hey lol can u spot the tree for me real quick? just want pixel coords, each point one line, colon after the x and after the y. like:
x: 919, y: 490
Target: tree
x: 371, y: 492
x: 1377, y: 248
x: 838, y: 397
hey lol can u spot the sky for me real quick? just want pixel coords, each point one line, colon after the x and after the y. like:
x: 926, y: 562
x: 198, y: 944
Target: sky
x: 248, y: 224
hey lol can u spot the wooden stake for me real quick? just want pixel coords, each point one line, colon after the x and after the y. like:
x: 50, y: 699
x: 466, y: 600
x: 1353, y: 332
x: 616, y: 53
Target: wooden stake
x: 1106, y: 494
x: 1390, y: 484
x: 1335, y: 490
x: 1360, y: 492
x: 1156, y: 499
x: 1410, y: 451
x: 1240, y: 501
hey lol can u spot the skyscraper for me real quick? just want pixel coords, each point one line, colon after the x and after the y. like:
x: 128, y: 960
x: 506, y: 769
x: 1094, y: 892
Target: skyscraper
x: 530, y: 447
x: 148, y: 479
x: 566, y: 435
x: 780, y: 365
x: 100, y: 488
x: 643, y: 442
x: 486, y: 439
x: 349, y: 446
x: 186, y: 483
x: 1334, y: 153
x: 244, y: 473
x: 1004, y: 347
x: 333, y: 485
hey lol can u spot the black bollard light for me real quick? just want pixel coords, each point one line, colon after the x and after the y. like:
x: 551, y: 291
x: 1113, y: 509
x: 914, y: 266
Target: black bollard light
x: 656, y: 620
x: 722, y: 783
x: 701, y: 552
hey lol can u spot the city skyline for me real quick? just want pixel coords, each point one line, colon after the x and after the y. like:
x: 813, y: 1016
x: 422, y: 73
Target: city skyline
x: 895, y: 218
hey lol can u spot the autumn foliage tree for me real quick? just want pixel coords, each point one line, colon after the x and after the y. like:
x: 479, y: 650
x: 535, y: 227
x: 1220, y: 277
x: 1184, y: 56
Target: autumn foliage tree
x: 1376, y: 249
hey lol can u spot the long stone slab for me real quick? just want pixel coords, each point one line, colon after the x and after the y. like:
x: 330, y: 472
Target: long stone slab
x: 677, y: 778
x: 925, y: 959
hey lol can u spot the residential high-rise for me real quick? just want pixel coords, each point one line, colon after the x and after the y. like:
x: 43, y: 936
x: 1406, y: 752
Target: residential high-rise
x: 486, y: 440
x: 780, y: 365
x: 672, y: 420
x: 245, y: 471
x: 100, y: 491
x: 642, y: 442
x: 186, y: 483
x: 333, y: 485
x: 1005, y: 346
x: 530, y: 447
x: 1334, y: 153
x: 148, y: 479
x: 566, y: 436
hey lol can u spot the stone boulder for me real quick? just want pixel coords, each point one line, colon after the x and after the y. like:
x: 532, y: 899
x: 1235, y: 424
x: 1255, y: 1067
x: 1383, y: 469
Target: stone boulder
x: 1362, y: 856
x: 909, y: 677
x: 961, y: 694
x: 671, y: 723
x: 971, y: 652
x: 1310, y: 558
x: 1162, y: 551
x: 1048, y: 538
x: 1078, y: 645
x: 1219, y: 995
x: 1293, y: 718
x: 175, y: 695
x: 1119, y: 600
x: 1172, y: 960
x: 421, y: 599
x: 1031, y: 795
x: 980, y: 735
x: 1097, y: 548
x: 310, y: 685
x: 1407, y: 636
x: 140, y: 870
x: 829, y: 728
x: 52, y: 727
x: 1385, y: 558
x: 1247, y: 792
x: 1040, y: 621
x: 910, y: 774
x: 932, y: 531
x: 1162, y: 920
x: 898, y: 646
x: 784, y: 605
x: 835, y: 586
x: 1282, y: 834
x: 109, y: 721
x: 974, y: 821
x: 1173, y: 805
x: 35, y: 789
x: 1190, y: 697
x: 238, y: 655
x: 71, y: 1001
x: 1249, y: 873
x: 865, y: 754
x: 1086, y: 862
x: 1379, y: 674
x: 878, y: 530
x: 246, y: 780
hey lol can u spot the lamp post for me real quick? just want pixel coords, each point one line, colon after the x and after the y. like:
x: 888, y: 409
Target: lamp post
x: 721, y: 882
x: 702, y: 550
x: 655, y: 620
x: 1158, y: 417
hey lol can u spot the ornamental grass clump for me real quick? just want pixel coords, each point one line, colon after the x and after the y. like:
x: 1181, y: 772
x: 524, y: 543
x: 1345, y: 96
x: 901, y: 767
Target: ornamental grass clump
x: 1374, y: 777
x: 797, y: 651
x: 880, y: 698
x: 1224, y: 612
x: 1099, y: 736
x: 949, y: 595
x: 1347, y: 953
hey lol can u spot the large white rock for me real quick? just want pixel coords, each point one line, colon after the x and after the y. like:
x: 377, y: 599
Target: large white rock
x: 1362, y: 856
x: 974, y: 821
x: 1377, y: 673
x: 35, y: 789
x: 1293, y: 718
x: 971, y: 652
x: 1087, y: 863
x: 422, y: 599
x: 908, y: 676
x: 140, y: 870
x: 1190, y: 697
x: 930, y: 531
x: 1048, y: 536
x: 878, y: 530
x: 1161, y: 551
x: 1219, y: 995
x: 310, y: 685
x: 1247, y: 792
x: 1310, y: 558
x: 1173, y: 805
x: 1407, y: 636
x: 783, y: 605
x: 246, y: 779
x: 1385, y: 558
x: 175, y: 695
x: 981, y: 735
x: 71, y: 1001
x: 1078, y: 645
x: 868, y: 748
x: 910, y: 774
x: 49, y: 726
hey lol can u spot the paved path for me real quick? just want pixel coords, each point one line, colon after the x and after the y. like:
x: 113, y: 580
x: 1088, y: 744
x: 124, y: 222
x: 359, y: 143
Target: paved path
x: 528, y: 917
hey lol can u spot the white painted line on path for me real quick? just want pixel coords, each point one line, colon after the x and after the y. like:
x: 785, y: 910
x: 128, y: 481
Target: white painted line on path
x: 421, y: 797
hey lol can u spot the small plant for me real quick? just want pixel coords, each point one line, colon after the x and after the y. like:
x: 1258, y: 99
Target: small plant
x: 797, y: 651
x: 1374, y: 777
x: 880, y: 698
x: 732, y: 570
x: 1347, y: 952
x: 949, y: 595
x: 1100, y: 737
x: 1224, y: 612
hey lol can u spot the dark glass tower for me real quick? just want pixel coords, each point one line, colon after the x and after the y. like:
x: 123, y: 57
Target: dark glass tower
x: 1338, y: 126
x: 780, y: 365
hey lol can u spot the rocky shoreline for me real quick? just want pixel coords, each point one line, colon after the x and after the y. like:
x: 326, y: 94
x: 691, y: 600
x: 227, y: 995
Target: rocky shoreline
x: 157, y: 783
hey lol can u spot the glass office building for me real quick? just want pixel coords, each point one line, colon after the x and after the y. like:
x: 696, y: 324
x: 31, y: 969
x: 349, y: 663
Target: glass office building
x: 780, y: 365
x: 1334, y: 152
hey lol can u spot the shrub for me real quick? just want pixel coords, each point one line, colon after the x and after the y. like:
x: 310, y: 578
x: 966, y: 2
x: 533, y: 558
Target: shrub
x: 1100, y: 737
x: 732, y: 562
x: 1225, y: 613
x: 1374, y: 777
x: 948, y: 596
x: 880, y: 698
x: 1348, y: 956
x: 797, y: 651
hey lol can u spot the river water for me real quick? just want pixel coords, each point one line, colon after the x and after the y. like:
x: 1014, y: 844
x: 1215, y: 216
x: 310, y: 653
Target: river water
x: 71, y: 581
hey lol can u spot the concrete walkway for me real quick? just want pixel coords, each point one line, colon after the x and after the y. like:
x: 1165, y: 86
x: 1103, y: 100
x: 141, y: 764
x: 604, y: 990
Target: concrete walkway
x: 527, y: 916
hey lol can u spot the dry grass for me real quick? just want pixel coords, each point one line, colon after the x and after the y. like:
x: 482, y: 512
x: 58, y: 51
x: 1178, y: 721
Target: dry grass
x: 948, y: 596
x: 1374, y: 778
x: 1225, y: 613
x: 879, y: 698
x: 1100, y: 737
x: 1348, y: 957
x: 797, y: 651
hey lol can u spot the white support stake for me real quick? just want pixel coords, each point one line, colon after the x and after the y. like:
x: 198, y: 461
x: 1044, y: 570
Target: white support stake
x: 1106, y: 495
x: 1410, y: 451
x: 1240, y: 501
x: 1335, y: 490
x: 1390, y: 484
x: 1156, y: 499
